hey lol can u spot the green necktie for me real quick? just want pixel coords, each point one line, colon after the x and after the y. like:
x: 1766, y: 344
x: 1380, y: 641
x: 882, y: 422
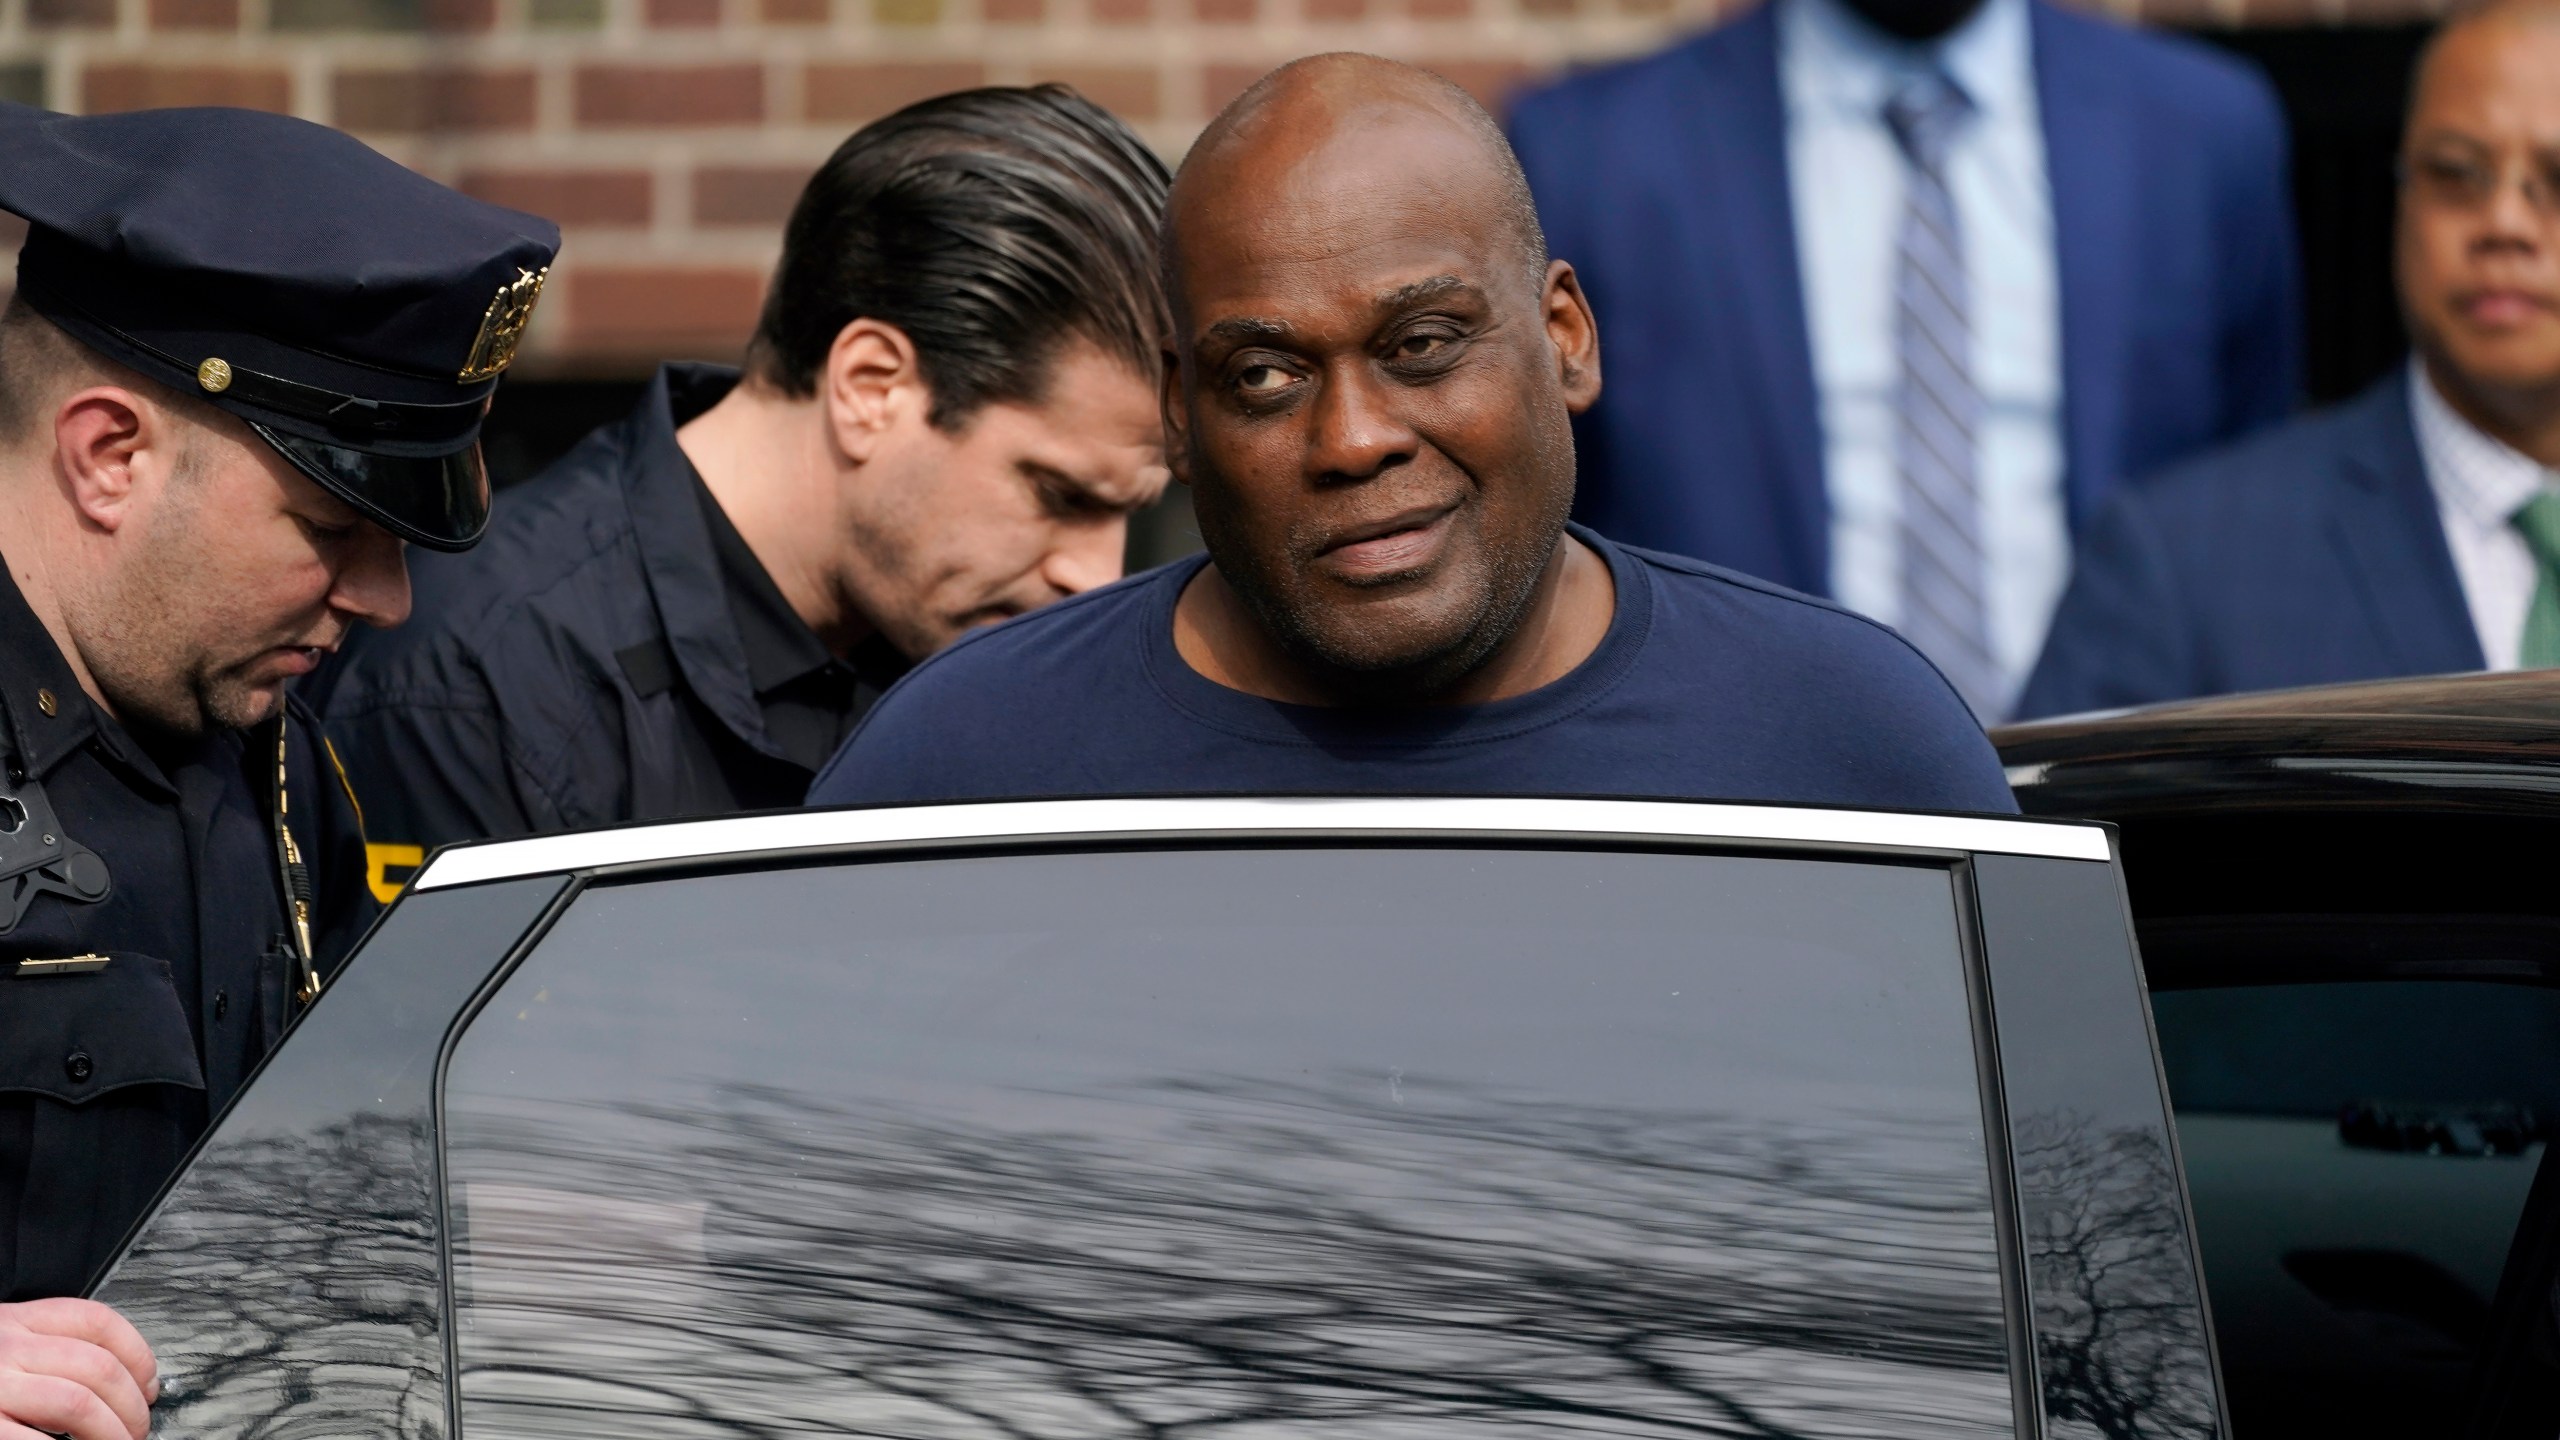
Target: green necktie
x: 2539, y: 520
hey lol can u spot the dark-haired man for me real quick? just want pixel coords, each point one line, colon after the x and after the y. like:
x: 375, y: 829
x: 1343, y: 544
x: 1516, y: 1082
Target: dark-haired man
x: 946, y: 417
x: 1375, y: 373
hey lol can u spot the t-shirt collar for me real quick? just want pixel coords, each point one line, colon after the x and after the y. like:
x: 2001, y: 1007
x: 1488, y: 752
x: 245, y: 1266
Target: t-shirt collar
x: 1364, y: 728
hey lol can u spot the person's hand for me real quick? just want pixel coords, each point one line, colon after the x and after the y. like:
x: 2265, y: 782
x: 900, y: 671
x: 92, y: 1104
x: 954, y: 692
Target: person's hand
x: 76, y: 1368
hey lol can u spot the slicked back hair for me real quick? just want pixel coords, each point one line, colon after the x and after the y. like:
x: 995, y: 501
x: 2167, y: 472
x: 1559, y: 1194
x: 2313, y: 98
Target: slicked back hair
x: 992, y: 226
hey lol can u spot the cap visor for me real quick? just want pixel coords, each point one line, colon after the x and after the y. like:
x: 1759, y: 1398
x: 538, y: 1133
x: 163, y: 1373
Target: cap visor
x: 439, y: 501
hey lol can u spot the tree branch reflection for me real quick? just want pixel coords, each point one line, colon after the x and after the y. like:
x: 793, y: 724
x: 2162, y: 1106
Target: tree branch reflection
x: 290, y: 1288
x: 1276, y: 1258
x: 2118, y: 1331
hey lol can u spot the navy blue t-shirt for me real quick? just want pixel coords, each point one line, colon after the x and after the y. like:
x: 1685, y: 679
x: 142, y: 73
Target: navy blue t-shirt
x: 1709, y: 686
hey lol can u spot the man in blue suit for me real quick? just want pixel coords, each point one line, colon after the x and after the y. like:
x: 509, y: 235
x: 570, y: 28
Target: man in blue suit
x: 2413, y: 530
x: 1896, y: 289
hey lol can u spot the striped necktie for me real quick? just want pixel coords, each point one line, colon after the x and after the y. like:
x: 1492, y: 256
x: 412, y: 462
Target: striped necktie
x: 2539, y: 521
x: 1938, y: 411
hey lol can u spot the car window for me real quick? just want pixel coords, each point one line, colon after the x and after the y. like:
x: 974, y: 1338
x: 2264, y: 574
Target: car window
x: 2120, y: 1332
x: 1389, y: 1142
x: 2358, y: 1153
x: 2515, y: 1387
x: 288, y: 1281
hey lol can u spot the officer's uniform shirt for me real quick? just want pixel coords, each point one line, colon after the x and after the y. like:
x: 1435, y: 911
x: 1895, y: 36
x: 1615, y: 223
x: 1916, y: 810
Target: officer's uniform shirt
x: 106, y: 1078
x: 603, y: 656
x: 355, y: 317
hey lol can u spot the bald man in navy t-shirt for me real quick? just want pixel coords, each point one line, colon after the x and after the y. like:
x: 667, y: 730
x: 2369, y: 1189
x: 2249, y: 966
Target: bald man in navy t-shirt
x: 1377, y: 365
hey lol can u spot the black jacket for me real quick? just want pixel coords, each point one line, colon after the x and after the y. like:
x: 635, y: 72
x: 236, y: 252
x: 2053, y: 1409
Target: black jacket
x: 581, y: 666
x: 109, y: 1073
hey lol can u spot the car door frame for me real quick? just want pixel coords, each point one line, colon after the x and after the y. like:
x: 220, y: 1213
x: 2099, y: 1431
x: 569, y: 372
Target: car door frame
x: 1982, y: 857
x: 1246, y: 823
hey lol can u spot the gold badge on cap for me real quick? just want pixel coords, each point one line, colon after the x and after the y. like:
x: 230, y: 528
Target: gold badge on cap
x: 502, y: 329
x: 214, y: 375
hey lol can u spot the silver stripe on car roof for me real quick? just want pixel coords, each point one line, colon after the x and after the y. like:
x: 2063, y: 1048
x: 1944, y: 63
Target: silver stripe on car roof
x: 1222, y: 815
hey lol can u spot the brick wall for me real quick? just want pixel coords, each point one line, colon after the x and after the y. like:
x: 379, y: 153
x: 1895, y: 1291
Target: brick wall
x: 668, y: 137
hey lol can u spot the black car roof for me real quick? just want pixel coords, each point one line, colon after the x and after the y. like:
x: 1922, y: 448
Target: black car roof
x: 2488, y: 741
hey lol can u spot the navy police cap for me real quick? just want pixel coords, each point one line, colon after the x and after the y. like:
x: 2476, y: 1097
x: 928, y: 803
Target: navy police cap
x: 354, y: 312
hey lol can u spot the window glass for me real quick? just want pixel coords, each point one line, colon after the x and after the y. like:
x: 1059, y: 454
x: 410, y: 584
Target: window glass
x: 2119, y: 1316
x: 2311, y: 1050
x: 288, y: 1281
x: 1394, y: 1143
x: 2358, y: 1153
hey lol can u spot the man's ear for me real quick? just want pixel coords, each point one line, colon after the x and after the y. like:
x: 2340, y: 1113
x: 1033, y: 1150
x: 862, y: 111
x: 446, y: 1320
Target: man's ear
x: 111, y: 448
x: 873, y: 383
x: 1575, y: 333
x: 1177, y: 420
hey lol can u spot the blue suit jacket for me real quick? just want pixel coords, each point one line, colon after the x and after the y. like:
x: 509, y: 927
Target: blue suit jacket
x: 2307, y: 555
x: 1664, y: 181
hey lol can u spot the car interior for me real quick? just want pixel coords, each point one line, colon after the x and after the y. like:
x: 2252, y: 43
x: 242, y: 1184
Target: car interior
x: 2359, y: 1020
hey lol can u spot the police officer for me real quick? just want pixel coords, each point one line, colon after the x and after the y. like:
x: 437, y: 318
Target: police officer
x: 246, y: 360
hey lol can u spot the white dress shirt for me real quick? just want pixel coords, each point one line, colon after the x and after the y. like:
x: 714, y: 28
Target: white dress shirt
x: 2480, y: 483
x: 1847, y: 180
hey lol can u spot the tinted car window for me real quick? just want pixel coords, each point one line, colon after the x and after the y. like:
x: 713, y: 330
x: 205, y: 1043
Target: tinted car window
x: 288, y: 1281
x: 2119, y: 1317
x: 1391, y: 1142
x: 2313, y: 1050
x: 2359, y: 1153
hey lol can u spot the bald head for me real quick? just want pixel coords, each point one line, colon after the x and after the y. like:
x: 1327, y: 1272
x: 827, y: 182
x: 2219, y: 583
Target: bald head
x: 2478, y: 247
x: 1306, y: 114
x: 1377, y: 366
x: 2494, y: 17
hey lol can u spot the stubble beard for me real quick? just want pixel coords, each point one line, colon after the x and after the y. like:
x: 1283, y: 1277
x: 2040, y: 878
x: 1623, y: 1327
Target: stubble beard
x: 140, y: 636
x: 167, y: 694
x: 1374, y: 661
